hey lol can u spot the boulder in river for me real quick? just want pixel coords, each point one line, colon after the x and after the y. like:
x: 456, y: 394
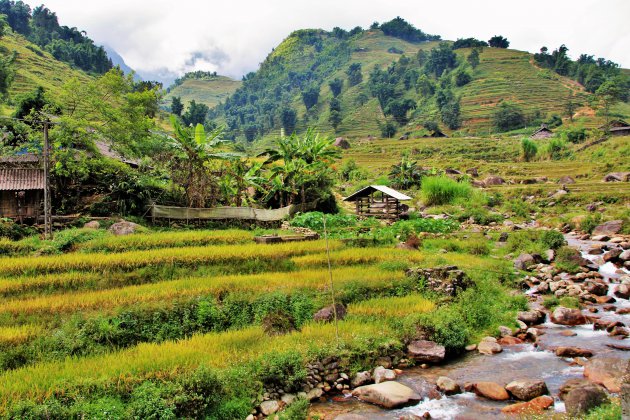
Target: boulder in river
x: 581, y: 400
x: 489, y: 345
x: 606, y: 371
x: 526, y: 389
x: 389, y: 394
x: 533, y: 407
x: 533, y: 317
x: 524, y: 262
x: 622, y: 291
x: 567, y: 316
x: 609, y: 228
x: 490, y: 390
x: 448, y: 386
x: 612, y: 255
x: 361, y: 378
x: 565, y: 351
x: 425, y: 351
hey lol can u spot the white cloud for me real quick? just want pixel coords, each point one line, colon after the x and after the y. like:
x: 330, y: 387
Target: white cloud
x: 233, y: 37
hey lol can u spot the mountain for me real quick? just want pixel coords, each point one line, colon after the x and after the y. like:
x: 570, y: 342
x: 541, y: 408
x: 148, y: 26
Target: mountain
x: 292, y: 88
x: 117, y: 60
x: 202, y: 87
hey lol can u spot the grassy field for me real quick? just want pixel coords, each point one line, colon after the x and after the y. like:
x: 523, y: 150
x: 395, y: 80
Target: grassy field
x: 209, y: 92
x: 77, y: 325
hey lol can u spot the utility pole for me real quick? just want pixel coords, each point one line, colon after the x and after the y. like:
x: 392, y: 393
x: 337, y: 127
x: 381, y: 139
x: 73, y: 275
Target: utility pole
x: 47, y: 209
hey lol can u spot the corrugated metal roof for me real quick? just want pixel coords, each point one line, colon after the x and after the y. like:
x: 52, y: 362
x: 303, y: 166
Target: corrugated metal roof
x: 382, y: 188
x: 21, y: 179
x: 24, y: 158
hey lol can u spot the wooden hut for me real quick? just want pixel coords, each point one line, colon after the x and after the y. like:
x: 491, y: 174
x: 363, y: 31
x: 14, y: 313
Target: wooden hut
x: 542, y: 133
x: 616, y: 128
x: 378, y: 201
x: 21, y: 193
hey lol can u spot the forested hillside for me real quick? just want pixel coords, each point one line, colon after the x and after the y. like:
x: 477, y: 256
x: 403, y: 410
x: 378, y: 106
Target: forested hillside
x: 384, y: 82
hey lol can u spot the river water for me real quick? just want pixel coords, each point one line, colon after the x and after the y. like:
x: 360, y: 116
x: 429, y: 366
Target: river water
x: 523, y: 361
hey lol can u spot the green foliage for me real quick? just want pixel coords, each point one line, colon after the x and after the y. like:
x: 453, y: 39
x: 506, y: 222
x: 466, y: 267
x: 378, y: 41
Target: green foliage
x: 529, y: 149
x: 310, y: 95
x: 440, y: 59
x: 473, y: 58
x: 147, y: 403
x: 298, y: 410
x: 335, y: 86
x: 177, y: 106
x: 591, y: 222
x: 288, y: 118
x: 498, y: 41
x: 7, y: 72
x: 574, y: 134
x: 469, y: 43
x: 552, y: 239
x: 462, y: 77
x: 406, y: 174
x: 567, y: 259
x: 400, y: 28
x: 195, y: 113
x: 284, y: 369
x: 388, y: 128
x: 354, y: 74
x: 442, y: 190
x: 508, y: 116
x: 350, y: 171
x: 556, y: 149
x: 610, y: 411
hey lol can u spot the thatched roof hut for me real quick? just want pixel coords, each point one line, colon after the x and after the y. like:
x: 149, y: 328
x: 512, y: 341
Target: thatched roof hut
x: 378, y: 201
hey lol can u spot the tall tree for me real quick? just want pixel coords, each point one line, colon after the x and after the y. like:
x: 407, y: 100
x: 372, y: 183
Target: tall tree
x: 473, y: 58
x: 195, y: 114
x: 177, y: 106
x: 335, y: 86
x: 354, y: 74
x: 499, y: 41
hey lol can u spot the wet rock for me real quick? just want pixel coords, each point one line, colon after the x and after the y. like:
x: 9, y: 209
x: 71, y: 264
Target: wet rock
x: 425, y: 351
x: 389, y: 394
x: 606, y: 371
x: 565, y: 351
x: 471, y: 347
x: 596, y: 288
x: 567, y: 316
x: 509, y: 341
x: 609, y: 228
x: 532, y: 317
x: 524, y: 262
x: 327, y: 314
x: 385, y: 361
x: 505, y: 331
x: 448, y: 386
x: 381, y: 374
x: 490, y: 390
x: 612, y: 255
x: 622, y: 291
x: 619, y: 332
x: 625, y: 255
x: 600, y: 238
x: 572, y: 384
x: 568, y: 333
x: 288, y: 399
x: 361, y: 378
x: 536, y: 406
x: 489, y: 345
x: 124, y: 228
x: 582, y: 399
x: 269, y: 407
x: 314, y: 394
x: 526, y: 390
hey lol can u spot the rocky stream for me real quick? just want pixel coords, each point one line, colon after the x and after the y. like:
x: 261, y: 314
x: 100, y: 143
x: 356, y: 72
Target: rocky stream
x: 560, y: 361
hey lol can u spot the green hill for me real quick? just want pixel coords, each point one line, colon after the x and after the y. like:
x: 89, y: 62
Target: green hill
x: 35, y: 67
x: 206, y: 90
x: 311, y: 59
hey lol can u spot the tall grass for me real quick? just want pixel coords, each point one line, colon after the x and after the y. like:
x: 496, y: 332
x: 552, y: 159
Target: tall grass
x: 18, y: 335
x: 392, y: 306
x: 440, y: 190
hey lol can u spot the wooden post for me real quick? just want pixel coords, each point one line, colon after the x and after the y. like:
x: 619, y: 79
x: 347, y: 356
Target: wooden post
x: 47, y: 203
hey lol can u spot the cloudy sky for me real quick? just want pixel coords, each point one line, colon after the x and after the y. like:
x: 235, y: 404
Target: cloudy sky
x: 167, y: 38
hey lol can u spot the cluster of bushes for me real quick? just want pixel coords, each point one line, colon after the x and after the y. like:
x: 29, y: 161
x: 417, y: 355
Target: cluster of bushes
x: 535, y: 241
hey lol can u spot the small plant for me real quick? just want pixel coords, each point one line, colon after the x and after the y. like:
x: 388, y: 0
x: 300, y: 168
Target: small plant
x: 278, y: 322
x: 550, y: 302
x: 529, y: 150
x: 553, y: 239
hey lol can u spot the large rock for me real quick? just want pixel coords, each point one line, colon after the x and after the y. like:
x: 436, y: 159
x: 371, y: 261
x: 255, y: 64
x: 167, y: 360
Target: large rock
x: 567, y: 316
x: 494, y: 180
x: 448, y: 386
x: 327, y: 314
x: 611, y: 255
x: 526, y: 390
x: 383, y: 375
x: 446, y: 280
x: 582, y: 399
x: 269, y: 407
x: 489, y: 345
x: 534, y: 407
x: 617, y: 177
x: 387, y: 394
x: 424, y: 351
x: 609, y: 228
x: 566, y: 180
x: 622, y: 291
x: 94, y: 224
x: 490, y: 390
x: 597, y: 288
x: 565, y: 351
x: 606, y: 371
x: 524, y: 262
x: 124, y: 228
x: 530, y: 318
x: 314, y: 394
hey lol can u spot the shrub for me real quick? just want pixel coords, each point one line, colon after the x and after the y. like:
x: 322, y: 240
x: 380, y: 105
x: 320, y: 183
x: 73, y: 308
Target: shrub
x: 284, y: 369
x: 556, y: 149
x: 298, y: 410
x: 278, y: 322
x: 553, y: 239
x: 443, y: 190
x: 591, y: 222
x: 529, y: 148
x: 508, y: 116
x: 567, y: 259
x: 550, y: 302
x: 147, y: 403
x: 574, y: 134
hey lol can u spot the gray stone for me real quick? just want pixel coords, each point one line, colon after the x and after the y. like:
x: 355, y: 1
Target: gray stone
x: 448, y: 386
x: 532, y: 317
x: 124, y: 228
x: 361, y: 378
x: 288, y: 399
x: 524, y: 262
x: 489, y: 346
x: 269, y: 407
x: 327, y: 314
x: 609, y: 228
x: 582, y: 399
x: 314, y: 394
x: 567, y: 316
x: 382, y: 375
x: 94, y: 224
x: 389, y: 394
x: 425, y: 351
